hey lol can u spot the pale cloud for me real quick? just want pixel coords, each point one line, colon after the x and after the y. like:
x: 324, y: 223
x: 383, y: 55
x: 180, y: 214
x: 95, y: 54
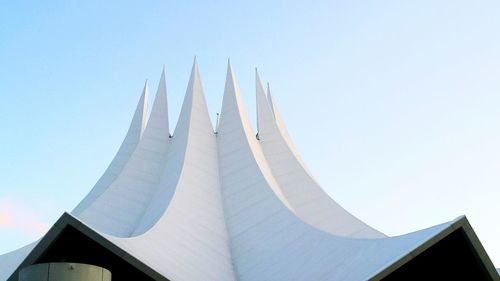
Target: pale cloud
x: 14, y: 215
x: 4, y: 219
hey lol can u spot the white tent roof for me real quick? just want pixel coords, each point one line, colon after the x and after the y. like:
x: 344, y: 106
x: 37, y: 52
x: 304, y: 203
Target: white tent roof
x: 200, y: 205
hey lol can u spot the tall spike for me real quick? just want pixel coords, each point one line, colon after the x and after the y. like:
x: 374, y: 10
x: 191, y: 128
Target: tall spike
x: 265, y: 116
x: 194, y: 97
x: 193, y: 118
x: 277, y: 115
x: 232, y: 98
x: 159, y: 113
x: 141, y: 112
x: 127, y: 148
x: 232, y: 107
x: 270, y: 98
x: 189, y: 182
x: 234, y: 124
x: 307, y: 198
x: 281, y: 125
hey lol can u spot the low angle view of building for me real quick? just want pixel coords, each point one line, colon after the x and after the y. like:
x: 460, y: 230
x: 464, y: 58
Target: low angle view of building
x: 224, y: 202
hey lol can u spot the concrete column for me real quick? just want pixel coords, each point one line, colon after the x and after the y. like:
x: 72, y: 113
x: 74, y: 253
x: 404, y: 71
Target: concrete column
x: 63, y: 271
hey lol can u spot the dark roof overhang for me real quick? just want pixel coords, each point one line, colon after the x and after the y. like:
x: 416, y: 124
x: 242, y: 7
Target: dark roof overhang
x: 70, y: 240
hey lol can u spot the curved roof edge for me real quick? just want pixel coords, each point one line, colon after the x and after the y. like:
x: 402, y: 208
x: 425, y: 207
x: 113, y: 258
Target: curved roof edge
x: 127, y: 148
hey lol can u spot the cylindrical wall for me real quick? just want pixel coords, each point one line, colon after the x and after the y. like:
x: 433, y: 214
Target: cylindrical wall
x: 63, y: 271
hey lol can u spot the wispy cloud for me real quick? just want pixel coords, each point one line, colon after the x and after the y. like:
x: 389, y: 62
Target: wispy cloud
x: 17, y: 216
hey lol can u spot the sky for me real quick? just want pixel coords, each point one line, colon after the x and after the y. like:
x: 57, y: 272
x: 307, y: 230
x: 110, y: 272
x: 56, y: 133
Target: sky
x: 394, y: 105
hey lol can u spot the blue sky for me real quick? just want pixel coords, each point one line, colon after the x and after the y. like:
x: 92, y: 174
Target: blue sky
x: 394, y: 105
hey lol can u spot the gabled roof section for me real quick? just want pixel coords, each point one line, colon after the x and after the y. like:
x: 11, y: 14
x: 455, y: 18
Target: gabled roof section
x: 70, y: 240
x: 452, y: 254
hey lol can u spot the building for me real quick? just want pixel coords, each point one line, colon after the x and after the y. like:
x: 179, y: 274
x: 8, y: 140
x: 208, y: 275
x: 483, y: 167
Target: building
x: 229, y: 204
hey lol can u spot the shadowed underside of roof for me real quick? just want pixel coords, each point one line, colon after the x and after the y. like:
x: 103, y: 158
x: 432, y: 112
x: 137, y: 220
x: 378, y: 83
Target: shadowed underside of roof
x: 452, y: 258
x: 227, y: 205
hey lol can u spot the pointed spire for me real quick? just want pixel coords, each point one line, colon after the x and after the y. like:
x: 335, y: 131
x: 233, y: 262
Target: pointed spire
x: 158, y: 120
x: 141, y: 112
x: 235, y: 125
x: 229, y: 72
x: 195, y: 73
x: 194, y: 85
x: 270, y: 98
x: 138, y: 123
x: 194, y: 101
x: 162, y: 85
x: 277, y: 116
x: 232, y: 107
x: 162, y: 77
x: 127, y: 148
x: 258, y: 82
x: 234, y: 117
x: 265, y: 115
x: 231, y: 86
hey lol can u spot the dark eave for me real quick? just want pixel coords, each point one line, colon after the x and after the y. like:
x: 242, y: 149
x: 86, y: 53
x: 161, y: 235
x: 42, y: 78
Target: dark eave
x: 67, y: 221
x: 460, y: 225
